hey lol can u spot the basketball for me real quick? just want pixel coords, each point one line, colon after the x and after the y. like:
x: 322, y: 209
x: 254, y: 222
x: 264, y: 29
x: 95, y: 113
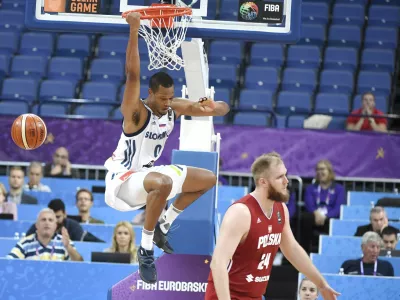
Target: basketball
x: 28, y: 131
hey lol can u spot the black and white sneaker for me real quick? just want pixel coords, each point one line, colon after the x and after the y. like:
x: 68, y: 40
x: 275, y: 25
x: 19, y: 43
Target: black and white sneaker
x: 161, y: 240
x: 147, y: 267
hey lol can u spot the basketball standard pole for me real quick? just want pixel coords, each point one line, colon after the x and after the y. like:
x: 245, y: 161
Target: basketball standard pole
x: 199, y: 146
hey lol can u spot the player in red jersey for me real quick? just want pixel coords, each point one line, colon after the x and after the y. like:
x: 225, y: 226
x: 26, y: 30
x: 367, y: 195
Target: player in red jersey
x: 251, y: 233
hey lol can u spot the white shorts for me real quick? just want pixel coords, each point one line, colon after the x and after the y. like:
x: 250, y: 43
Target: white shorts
x: 125, y: 190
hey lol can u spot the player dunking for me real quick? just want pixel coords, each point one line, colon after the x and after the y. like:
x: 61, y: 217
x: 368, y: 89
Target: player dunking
x: 251, y: 233
x: 132, y: 182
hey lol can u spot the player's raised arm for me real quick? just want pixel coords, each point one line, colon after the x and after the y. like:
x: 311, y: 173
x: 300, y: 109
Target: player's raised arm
x: 230, y: 235
x: 300, y: 260
x: 204, y: 107
x: 132, y: 107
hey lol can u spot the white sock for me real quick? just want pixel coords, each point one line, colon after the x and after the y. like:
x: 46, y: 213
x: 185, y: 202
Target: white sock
x: 170, y: 215
x: 147, y: 239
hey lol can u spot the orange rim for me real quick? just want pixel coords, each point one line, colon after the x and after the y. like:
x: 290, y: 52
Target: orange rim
x: 154, y: 12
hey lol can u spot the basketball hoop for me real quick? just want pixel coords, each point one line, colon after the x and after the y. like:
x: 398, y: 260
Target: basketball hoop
x: 163, y: 27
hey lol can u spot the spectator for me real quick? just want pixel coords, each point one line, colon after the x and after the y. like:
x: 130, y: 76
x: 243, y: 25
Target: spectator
x: 7, y: 207
x: 35, y: 174
x: 16, y: 194
x: 123, y: 240
x: 358, y: 123
x: 61, y: 166
x: 322, y: 202
x: 369, y: 264
x: 84, y: 202
x: 389, y: 237
x: 44, y: 243
x: 308, y: 290
x: 378, y: 219
x: 73, y: 228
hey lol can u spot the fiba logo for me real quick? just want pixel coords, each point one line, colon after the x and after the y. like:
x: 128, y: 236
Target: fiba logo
x: 248, y: 11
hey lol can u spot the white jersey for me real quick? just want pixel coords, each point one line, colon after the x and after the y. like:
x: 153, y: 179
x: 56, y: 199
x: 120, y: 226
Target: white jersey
x: 144, y: 147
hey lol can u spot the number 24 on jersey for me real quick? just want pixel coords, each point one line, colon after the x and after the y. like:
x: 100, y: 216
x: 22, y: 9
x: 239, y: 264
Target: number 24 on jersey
x: 264, y: 263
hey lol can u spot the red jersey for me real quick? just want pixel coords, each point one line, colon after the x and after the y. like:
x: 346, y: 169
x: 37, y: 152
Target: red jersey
x: 251, y: 264
x: 366, y: 125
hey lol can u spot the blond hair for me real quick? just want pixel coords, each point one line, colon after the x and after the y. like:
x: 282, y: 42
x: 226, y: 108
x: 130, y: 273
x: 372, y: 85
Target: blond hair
x: 306, y: 279
x: 328, y: 165
x: 263, y: 163
x: 3, y: 189
x: 132, y: 247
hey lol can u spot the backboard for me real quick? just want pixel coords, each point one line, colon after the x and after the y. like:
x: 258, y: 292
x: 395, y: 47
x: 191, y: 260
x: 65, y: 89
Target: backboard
x: 268, y: 21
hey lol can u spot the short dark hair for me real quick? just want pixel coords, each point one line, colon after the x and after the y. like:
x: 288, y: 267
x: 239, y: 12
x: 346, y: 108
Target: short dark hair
x: 86, y: 191
x: 389, y: 230
x: 160, y: 79
x: 56, y: 205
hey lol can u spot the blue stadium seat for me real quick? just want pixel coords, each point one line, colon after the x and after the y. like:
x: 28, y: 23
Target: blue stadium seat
x: 293, y: 102
x: 377, y: 82
x: 104, y: 69
x: 117, y: 114
x: 19, y: 89
x: 75, y: 45
x: 225, y: 52
x: 332, y: 81
x: 332, y: 103
x: 251, y: 118
x: 264, y: 78
x: 145, y: 73
x: 8, y: 42
x: 99, y: 91
x: 57, y: 89
x: 387, y: 2
x: 94, y: 111
x: 179, y: 77
x: 228, y: 11
x: 379, y: 37
x: 223, y: 75
x: 337, y: 123
x: 348, y: 14
x: 37, y: 43
x: 13, y: 108
x: 4, y: 66
x: 12, y: 20
x: 345, y: 36
x: 378, y: 60
x: 222, y: 94
x: 381, y: 103
x: 50, y: 110
x: 294, y: 121
x: 312, y: 34
x: 112, y: 46
x: 362, y: 2
x: 318, y: 1
x: 268, y: 55
x: 315, y: 13
x: 384, y: 16
x: 25, y: 66
x: 307, y: 57
x: 341, y: 58
x: 299, y: 80
x: 255, y: 99
x: 144, y: 92
x: 65, y: 68
x: 15, y: 5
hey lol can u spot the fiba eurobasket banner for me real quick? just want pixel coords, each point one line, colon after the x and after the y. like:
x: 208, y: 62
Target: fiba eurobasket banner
x: 352, y: 154
x: 179, y: 277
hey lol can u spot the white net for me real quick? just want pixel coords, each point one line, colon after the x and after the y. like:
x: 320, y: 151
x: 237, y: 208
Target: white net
x: 164, y: 35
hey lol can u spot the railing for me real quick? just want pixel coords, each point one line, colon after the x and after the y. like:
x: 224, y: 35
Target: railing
x: 338, y: 114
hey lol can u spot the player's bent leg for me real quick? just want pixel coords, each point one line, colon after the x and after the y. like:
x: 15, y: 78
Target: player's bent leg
x: 158, y: 187
x: 196, y: 183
